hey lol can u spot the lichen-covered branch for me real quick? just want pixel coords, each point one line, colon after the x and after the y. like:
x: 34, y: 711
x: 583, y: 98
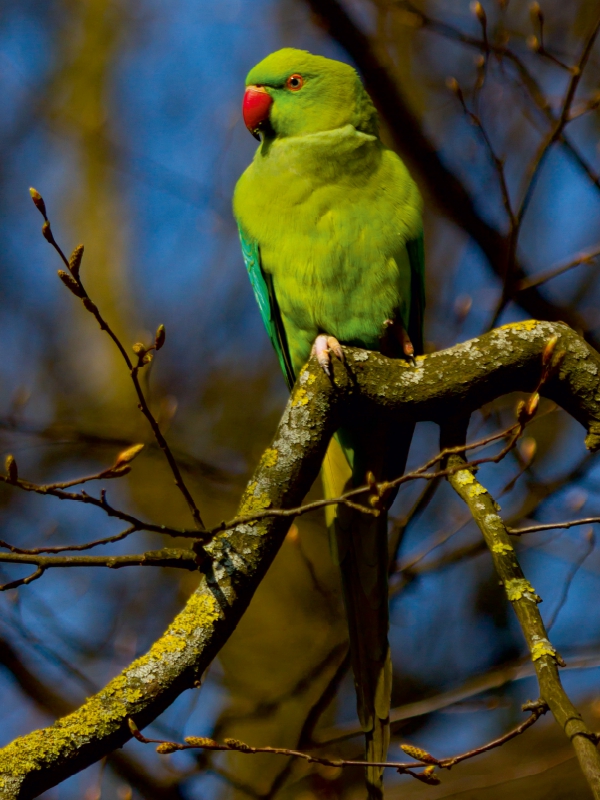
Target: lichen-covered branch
x: 524, y: 600
x: 443, y: 385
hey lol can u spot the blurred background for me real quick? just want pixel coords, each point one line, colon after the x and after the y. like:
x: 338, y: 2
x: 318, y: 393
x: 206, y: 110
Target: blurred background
x: 126, y: 116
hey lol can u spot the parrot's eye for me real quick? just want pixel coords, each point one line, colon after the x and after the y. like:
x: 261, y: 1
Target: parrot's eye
x: 295, y: 82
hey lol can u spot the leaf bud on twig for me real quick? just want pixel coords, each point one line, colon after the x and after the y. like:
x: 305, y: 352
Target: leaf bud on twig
x: 71, y: 284
x: 159, y: 339
x: 428, y: 776
x: 235, y: 744
x: 12, y: 470
x: 139, y: 348
x: 75, y: 260
x: 527, y: 449
x: 147, y: 358
x: 47, y: 232
x: 533, y: 43
x: 549, y: 350
x: 167, y: 747
x: 38, y: 201
x: 454, y: 87
x: 418, y: 754
x: 132, y: 726
x: 127, y: 456
x: 477, y: 9
x: 200, y: 741
x: 535, y: 14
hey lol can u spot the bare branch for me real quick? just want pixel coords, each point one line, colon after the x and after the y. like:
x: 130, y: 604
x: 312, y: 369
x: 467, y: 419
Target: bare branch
x: 72, y: 280
x: 167, y: 557
x: 524, y: 600
x: 422, y: 759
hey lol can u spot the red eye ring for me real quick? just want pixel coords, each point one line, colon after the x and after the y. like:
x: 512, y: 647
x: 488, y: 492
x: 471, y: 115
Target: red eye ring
x: 295, y: 82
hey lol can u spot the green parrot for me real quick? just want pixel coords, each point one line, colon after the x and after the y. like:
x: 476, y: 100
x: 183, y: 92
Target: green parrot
x: 331, y: 231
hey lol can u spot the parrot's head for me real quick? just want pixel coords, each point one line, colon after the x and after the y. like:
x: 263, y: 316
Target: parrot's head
x: 293, y: 93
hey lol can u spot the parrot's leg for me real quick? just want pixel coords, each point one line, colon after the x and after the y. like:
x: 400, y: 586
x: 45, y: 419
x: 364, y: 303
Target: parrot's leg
x: 323, y: 346
x: 403, y: 339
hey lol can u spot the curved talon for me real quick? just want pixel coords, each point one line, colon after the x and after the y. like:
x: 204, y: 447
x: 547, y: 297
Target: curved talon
x: 325, y: 345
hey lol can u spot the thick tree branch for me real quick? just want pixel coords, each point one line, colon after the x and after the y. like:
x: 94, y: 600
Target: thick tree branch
x: 524, y: 600
x: 448, y: 383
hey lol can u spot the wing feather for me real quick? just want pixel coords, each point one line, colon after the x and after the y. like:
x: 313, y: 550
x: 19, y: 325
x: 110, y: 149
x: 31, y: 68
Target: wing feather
x: 262, y: 284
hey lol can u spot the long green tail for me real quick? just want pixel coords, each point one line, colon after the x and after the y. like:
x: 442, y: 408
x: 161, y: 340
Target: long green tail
x: 361, y: 544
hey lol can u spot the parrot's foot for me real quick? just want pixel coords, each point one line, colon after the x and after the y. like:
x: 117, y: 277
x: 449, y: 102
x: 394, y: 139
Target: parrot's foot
x: 403, y: 340
x: 322, y: 348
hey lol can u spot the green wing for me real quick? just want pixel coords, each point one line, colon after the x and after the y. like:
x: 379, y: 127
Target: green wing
x: 267, y: 304
x: 416, y: 256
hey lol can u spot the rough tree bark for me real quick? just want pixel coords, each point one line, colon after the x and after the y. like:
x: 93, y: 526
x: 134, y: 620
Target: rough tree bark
x: 445, y: 385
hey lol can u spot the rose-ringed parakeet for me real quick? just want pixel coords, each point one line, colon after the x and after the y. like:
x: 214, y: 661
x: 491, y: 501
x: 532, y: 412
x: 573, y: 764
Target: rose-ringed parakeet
x: 331, y: 232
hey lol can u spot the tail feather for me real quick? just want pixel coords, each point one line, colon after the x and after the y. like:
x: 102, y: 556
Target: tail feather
x: 359, y: 542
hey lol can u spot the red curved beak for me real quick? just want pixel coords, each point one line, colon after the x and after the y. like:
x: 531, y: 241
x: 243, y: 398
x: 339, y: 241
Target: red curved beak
x: 255, y: 108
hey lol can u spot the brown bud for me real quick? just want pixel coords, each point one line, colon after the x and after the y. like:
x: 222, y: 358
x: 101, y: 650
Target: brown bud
x: 477, y: 9
x: 531, y: 406
x: 533, y: 43
x: 116, y: 472
x: 418, y: 754
x: 528, y: 449
x: 535, y: 14
x: 46, y: 232
x: 159, y: 339
x: 428, y: 776
x: 91, y: 307
x: 38, y: 201
x: 235, y: 744
x: 132, y: 726
x: 12, y: 471
x: 127, y: 456
x: 454, y: 87
x: 167, y: 747
x: 75, y: 260
x: 201, y: 741
x: 549, y: 350
x: 71, y: 283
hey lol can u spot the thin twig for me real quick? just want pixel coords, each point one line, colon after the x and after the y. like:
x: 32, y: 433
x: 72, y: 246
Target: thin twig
x: 422, y: 759
x: 168, y: 557
x: 589, y: 549
x: 23, y: 581
x: 64, y: 547
x: 549, y: 526
x: 133, y: 368
x: 547, y: 275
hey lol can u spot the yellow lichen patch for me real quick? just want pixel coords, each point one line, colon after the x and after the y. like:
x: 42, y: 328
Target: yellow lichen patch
x: 201, y: 610
x: 502, y: 547
x: 172, y: 644
x: 106, y: 711
x: 464, y: 477
x: 310, y: 380
x: 270, y: 457
x: 253, y: 502
x: 542, y: 648
x: 526, y: 325
x: 517, y: 588
x: 300, y: 397
x: 476, y: 489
